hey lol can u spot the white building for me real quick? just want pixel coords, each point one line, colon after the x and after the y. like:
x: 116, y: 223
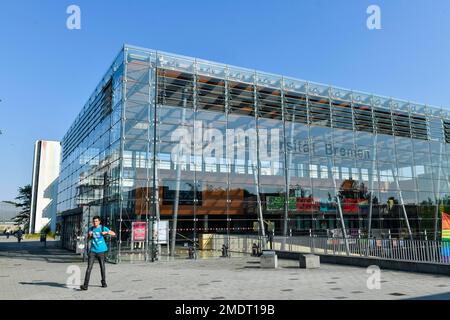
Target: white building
x: 46, y: 163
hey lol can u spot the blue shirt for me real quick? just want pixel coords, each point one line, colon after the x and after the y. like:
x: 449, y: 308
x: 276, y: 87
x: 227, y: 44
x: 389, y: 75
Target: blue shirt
x: 98, y: 243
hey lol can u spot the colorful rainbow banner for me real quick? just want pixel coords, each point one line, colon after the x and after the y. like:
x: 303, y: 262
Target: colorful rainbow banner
x: 445, y: 236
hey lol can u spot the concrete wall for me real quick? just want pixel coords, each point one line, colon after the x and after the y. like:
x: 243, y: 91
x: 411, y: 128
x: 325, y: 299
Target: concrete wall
x: 420, y: 267
x: 47, y: 156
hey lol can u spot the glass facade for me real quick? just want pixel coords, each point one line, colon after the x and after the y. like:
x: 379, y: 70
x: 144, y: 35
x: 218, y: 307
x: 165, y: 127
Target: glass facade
x: 213, y: 148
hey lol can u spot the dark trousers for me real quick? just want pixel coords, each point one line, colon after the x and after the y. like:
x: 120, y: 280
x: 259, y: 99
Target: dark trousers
x: 101, y: 260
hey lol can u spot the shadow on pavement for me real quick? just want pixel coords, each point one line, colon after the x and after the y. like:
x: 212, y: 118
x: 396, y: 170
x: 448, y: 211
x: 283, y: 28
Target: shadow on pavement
x: 440, y: 296
x: 55, y: 285
x: 47, y: 284
x: 37, y: 251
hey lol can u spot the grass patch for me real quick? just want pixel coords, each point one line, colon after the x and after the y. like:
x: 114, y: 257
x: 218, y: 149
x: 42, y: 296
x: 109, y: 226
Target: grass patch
x: 37, y: 236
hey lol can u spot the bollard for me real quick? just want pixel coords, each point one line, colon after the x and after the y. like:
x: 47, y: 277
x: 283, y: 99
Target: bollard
x: 309, y: 261
x: 269, y: 260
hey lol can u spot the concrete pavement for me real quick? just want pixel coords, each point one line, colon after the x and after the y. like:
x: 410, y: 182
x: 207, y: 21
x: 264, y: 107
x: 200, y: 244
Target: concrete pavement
x: 30, y: 271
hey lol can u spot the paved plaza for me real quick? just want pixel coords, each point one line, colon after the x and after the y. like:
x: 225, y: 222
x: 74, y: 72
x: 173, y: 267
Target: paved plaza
x: 30, y: 271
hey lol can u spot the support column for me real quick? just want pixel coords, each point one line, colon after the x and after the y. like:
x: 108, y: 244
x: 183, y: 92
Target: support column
x: 177, y: 185
x: 200, y: 151
x: 436, y: 214
x: 341, y: 215
x: 122, y: 146
x: 155, y: 180
x: 332, y: 164
x: 374, y: 171
x: 405, y: 215
x: 256, y: 166
x: 228, y: 163
x: 287, y: 165
x: 151, y: 83
x: 395, y: 175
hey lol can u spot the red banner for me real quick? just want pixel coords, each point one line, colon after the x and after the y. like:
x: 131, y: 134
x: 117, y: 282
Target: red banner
x: 139, y: 231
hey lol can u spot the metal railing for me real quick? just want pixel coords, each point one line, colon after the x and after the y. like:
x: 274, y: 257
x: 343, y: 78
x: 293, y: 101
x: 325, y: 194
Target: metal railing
x: 390, y: 249
x: 427, y: 251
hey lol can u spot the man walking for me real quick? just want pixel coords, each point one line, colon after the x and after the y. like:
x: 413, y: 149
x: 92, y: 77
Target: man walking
x: 19, y: 234
x: 97, y: 251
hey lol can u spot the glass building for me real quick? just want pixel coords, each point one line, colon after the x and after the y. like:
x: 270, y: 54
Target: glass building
x: 217, y: 149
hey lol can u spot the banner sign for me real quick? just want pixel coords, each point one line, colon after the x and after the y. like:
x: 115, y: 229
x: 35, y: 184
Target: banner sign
x: 160, y: 231
x: 277, y: 203
x: 139, y: 231
x: 163, y: 232
x: 317, y: 205
x: 445, y: 236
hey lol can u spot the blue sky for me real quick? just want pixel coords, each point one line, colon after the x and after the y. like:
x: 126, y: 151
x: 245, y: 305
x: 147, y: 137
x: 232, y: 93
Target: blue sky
x: 47, y: 72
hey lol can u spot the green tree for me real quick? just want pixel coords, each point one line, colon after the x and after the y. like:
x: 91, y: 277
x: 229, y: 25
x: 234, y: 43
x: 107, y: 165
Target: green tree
x: 24, y: 202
